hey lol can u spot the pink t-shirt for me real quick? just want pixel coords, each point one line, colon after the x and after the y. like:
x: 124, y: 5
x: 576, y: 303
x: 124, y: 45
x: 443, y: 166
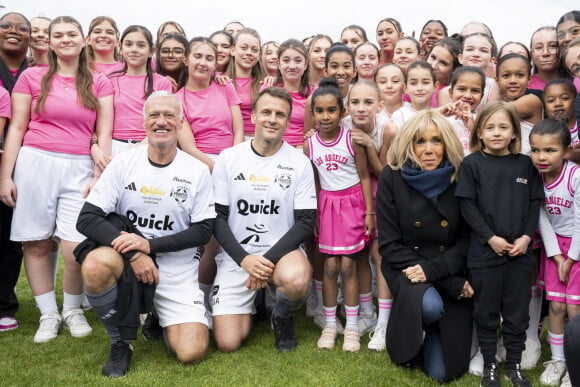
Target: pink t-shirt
x: 4, y: 103
x: 536, y: 83
x: 209, y: 114
x: 577, y: 84
x: 108, y: 68
x: 294, y: 134
x: 129, y: 101
x: 65, y: 126
x: 244, y: 89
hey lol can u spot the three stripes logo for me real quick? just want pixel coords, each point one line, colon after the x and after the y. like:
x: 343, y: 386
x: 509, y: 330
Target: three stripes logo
x: 240, y: 177
x: 131, y: 187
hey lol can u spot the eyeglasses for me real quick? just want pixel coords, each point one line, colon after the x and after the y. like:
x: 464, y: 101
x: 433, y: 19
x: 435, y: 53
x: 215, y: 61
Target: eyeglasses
x: 20, y: 27
x: 176, y: 51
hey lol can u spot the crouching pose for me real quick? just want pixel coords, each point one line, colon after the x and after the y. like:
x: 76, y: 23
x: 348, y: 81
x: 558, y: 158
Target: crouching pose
x: 165, y: 197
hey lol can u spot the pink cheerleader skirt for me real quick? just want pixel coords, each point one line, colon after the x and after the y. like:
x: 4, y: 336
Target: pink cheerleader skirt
x: 548, y: 279
x: 341, y: 219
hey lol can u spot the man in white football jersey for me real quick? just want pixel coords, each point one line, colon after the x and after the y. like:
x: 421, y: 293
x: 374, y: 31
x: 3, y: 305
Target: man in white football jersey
x: 266, y: 207
x: 145, y: 219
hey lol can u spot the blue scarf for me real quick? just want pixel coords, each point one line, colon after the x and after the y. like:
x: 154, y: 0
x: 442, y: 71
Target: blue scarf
x: 429, y: 183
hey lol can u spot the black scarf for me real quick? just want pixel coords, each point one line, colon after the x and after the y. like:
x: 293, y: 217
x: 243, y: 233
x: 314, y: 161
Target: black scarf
x: 429, y: 183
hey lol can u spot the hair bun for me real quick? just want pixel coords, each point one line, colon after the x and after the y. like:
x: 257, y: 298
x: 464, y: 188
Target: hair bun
x: 328, y: 81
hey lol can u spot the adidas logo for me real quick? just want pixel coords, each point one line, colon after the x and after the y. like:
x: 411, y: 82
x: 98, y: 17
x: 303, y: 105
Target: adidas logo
x: 131, y: 187
x: 240, y: 177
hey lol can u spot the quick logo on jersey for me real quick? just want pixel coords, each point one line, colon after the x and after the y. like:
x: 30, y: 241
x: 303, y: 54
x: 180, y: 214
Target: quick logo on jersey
x: 131, y: 187
x: 521, y: 180
x: 240, y: 177
x: 151, y: 191
x: 245, y: 208
x: 164, y: 224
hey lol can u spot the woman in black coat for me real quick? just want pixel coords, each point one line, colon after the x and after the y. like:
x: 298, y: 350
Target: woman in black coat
x: 423, y: 243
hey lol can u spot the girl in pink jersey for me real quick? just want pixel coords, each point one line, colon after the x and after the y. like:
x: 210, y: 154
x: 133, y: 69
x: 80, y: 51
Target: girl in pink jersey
x: 270, y: 58
x: 212, y: 117
x: 366, y: 57
x: 317, y: 49
x: 345, y: 209
x: 103, y: 45
x: 246, y: 72
x: 39, y: 40
x: 369, y: 128
x: 224, y: 42
x: 133, y: 84
x: 389, y: 31
x: 169, y: 59
x: 545, y: 53
x: 391, y: 81
x: 559, y: 272
x: 57, y: 108
x: 293, y: 76
x: 444, y: 58
x: 512, y: 77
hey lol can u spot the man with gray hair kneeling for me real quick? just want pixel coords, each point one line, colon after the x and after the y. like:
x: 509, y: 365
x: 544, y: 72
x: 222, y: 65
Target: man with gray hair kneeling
x: 145, y: 219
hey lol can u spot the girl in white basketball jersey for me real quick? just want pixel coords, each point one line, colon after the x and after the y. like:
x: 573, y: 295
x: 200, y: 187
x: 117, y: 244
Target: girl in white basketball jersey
x: 559, y: 273
x: 345, y: 209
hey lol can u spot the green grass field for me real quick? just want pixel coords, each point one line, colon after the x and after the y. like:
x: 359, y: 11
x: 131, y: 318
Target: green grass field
x: 69, y: 361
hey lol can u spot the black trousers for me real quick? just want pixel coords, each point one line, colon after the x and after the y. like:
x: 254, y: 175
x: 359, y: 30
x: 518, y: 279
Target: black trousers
x: 10, y: 261
x: 502, y: 291
x: 572, y: 349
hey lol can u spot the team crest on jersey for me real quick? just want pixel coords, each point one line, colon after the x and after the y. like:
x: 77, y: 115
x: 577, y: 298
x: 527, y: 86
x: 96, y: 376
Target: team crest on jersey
x: 284, y: 180
x: 180, y: 194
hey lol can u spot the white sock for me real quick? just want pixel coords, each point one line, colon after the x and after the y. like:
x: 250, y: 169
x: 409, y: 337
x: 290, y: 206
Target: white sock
x: 46, y: 303
x: 535, y: 310
x: 330, y: 315
x: 366, y: 304
x: 556, y: 345
x: 385, y: 305
x: 318, y: 288
x: 351, y: 317
x: 71, y: 301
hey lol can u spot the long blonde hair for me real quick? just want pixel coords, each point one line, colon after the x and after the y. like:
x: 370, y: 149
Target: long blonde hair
x: 475, y: 142
x: 401, y: 149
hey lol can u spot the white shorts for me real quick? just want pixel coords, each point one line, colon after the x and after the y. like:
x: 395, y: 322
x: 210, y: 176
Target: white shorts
x: 230, y: 295
x: 121, y: 146
x: 50, y: 187
x: 179, y: 300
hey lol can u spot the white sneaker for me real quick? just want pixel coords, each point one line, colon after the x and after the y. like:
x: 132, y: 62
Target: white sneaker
x: 74, y: 320
x: 366, y: 323
x: 48, y: 327
x: 553, y: 372
x: 566, y: 382
x: 321, y: 322
x: 378, y: 338
x: 476, y: 364
x: 531, y: 354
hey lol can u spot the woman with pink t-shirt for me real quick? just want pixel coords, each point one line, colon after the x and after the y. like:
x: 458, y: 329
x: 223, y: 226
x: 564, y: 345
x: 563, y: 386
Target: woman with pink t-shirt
x: 545, y: 56
x: 46, y: 167
x: 212, y: 117
x: 133, y: 84
x: 102, y: 45
x: 246, y: 72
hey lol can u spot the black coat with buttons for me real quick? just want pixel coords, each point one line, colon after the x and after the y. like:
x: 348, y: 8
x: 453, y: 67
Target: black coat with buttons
x: 430, y: 232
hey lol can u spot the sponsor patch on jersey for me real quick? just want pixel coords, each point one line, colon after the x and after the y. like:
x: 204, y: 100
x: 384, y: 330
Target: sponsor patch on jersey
x: 151, y: 191
x: 265, y: 208
x: 180, y: 180
x: 260, y: 179
x: 256, y: 230
x: 522, y: 180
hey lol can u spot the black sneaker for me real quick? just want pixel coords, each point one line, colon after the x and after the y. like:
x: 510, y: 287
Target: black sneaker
x: 117, y: 364
x: 513, y: 373
x: 151, y: 328
x: 490, y: 376
x: 284, y: 331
